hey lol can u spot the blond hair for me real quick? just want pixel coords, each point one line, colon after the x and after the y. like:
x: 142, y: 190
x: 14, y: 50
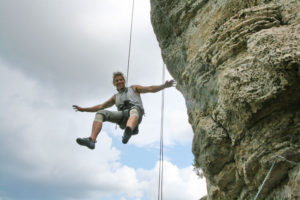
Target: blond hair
x: 117, y: 74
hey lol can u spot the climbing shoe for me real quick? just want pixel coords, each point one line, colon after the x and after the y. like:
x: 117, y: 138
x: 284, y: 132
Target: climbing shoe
x: 135, y: 131
x: 127, y: 134
x: 88, y: 142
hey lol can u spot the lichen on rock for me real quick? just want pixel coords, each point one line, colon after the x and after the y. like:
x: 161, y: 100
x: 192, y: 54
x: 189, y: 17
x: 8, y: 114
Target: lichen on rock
x: 237, y: 63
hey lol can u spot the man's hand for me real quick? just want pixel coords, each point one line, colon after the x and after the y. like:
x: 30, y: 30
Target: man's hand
x: 169, y: 83
x: 78, y: 108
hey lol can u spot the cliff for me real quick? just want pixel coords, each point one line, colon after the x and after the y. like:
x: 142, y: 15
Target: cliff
x: 237, y: 63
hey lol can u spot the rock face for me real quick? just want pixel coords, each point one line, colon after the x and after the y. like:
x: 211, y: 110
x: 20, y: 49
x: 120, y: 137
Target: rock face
x: 237, y: 63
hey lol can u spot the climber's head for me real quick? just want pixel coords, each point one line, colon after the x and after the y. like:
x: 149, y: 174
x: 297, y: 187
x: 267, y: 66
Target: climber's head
x: 119, y: 80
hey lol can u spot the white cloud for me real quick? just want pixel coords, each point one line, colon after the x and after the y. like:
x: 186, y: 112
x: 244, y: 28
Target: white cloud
x: 177, y: 183
x: 74, y: 46
x: 40, y: 142
x: 57, y: 53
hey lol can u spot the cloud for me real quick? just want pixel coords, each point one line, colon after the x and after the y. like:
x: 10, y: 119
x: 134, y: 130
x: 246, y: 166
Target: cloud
x: 40, y: 142
x: 74, y: 46
x: 183, y: 180
x: 38, y: 152
x: 57, y: 53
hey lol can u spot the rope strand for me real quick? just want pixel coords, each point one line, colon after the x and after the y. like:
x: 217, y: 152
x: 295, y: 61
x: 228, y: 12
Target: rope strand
x: 129, y: 50
x: 161, y: 153
x: 266, y: 178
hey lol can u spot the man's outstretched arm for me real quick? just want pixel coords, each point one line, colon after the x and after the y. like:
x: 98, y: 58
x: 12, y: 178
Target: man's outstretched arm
x: 153, y: 88
x: 106, y: 104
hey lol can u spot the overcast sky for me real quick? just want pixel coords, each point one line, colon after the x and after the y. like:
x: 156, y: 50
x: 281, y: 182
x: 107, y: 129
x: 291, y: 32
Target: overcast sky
x: 56, y: 53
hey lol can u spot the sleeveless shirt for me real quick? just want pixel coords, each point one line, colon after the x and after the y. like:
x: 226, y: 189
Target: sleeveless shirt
x: 129, y: 95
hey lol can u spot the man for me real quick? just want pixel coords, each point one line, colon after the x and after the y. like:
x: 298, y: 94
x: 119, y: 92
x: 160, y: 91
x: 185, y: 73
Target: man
x: 130, y: 109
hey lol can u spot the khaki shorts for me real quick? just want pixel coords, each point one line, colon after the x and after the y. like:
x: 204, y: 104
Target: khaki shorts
x: 118, y: 117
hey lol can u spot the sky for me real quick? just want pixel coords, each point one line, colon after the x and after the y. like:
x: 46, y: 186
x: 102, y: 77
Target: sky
x: 57, y: 53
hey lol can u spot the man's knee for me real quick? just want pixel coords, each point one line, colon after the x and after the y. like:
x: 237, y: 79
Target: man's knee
x: 99, y: 117
x: 102, y: 115
x: 134, y: 112
x: 111, y: 116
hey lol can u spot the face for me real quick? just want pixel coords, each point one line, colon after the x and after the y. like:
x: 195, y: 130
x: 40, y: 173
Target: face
x: 119, y: 82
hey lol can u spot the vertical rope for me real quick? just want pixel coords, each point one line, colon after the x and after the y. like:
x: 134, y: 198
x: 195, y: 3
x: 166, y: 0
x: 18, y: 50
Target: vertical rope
x: 129, y: 50
x: 161, y: 159
x: 161, y: 153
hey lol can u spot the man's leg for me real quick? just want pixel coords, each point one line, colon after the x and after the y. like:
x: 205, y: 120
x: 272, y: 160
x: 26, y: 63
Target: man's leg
x: 97, y: 126
x: 132, y: 122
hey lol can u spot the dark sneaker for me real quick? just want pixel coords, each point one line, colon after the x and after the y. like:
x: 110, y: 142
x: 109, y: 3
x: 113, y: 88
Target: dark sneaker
x: 88, y: 142
x: 127, y: 134
x: 135, y: 131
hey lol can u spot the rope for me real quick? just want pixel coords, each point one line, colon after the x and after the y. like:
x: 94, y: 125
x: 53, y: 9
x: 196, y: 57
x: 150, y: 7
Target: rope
x: 269, y: 173
x: 129, y: 50
x: 161, y: 153
x: 266, y: 178
x: 289, y: 161
x: 268, y: 149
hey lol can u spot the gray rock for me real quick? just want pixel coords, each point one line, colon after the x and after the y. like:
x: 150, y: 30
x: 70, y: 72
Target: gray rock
x: 237, y: 63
